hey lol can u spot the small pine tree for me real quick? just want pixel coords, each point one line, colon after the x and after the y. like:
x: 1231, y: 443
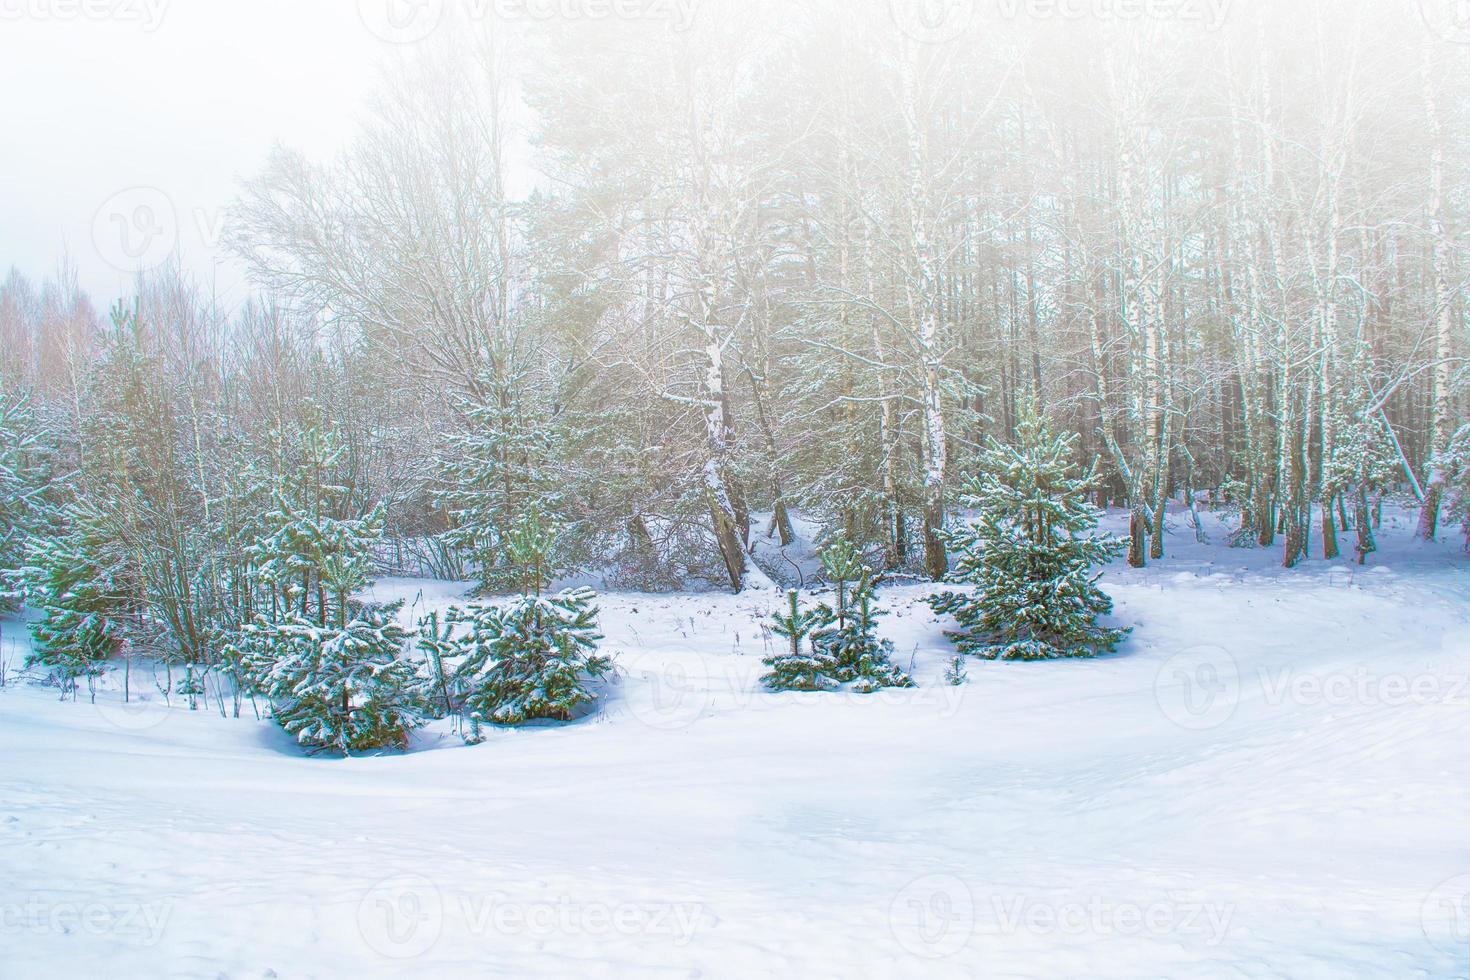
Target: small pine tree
x: 955, y: 674
x: 495, y: 467
x: 336, y: 672
x: 1030, y: 554
x: 533, y: 658
x: 72, y: 580
x: 344, y: 688
x: 848, y: 632
x: 436, y: 642
x: 803, y: 666
x: 861, y: 657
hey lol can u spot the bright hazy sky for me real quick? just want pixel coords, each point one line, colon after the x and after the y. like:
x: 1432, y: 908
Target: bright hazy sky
x: 178, y: 97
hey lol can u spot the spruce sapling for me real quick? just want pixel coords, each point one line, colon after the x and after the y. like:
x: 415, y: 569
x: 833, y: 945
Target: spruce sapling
x: 1030, y: 554
x: 804, y: 665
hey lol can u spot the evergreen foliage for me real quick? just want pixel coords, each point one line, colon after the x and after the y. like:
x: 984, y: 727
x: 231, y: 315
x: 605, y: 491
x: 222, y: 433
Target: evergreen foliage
x: 529, y: 659
x: 336, y: 671
x: 344, y: 687
x: 1455, y: 461
x: 73, y: 581
x: 1029, y: 554
x: 848, y: 631
x: 831, y: 645
x: 497, y: 465
x: 803, y: 665
x: 954, y: 672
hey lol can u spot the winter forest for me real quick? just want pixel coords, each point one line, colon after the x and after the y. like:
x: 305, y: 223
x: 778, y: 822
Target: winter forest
x: 985, y: 481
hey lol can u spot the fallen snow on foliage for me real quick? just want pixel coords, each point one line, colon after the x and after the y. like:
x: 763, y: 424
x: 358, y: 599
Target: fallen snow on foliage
x: 1270, y: 780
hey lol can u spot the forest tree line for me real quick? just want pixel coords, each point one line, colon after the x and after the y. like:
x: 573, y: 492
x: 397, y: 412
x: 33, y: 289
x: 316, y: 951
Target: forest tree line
x: 654, y: 283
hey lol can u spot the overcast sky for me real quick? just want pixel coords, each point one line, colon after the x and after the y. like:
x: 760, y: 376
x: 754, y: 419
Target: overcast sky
x: 128, y: 123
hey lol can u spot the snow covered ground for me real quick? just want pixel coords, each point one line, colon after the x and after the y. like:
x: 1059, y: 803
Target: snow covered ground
x: 1272, y: 779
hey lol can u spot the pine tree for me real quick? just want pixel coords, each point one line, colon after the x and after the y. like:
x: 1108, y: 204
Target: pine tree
x: 1455, y: 461
x: 1030, y: 553
x: 72, y: 579
x: 336, y: 671
x: 955, y: 674
x: 24, y: 508
x: 803, y: 666
x: 530, y: 659
x: 436, y: 642
x: 346, y: 687
x: 848, y: 632
x: 495, y: 467
x: 861, y: 657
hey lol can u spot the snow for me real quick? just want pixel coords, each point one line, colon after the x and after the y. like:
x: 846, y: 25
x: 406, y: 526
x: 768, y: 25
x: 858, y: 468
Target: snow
x: 1270, y: 780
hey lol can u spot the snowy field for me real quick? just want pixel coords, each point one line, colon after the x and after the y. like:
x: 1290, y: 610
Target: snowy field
x: 1272, y: 779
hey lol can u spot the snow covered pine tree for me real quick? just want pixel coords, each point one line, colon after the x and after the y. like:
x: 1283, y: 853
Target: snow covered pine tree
x: 72, y: 580
x: 842, y: 641
x: 335, y: 670
x: 849, y: 632
x: 803, y: 666
x: 532, y: 658
x: 1030, y: 554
